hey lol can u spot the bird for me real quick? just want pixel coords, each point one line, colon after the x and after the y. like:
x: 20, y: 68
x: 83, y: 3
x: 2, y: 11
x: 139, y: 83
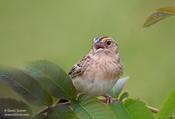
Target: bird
x: 98, y: 71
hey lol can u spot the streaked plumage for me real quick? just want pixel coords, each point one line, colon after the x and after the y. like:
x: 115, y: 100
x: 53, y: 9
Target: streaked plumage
x: 98, y: 71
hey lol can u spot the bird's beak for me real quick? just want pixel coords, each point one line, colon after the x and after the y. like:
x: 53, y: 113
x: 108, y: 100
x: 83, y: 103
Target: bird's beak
x: 99, y: 45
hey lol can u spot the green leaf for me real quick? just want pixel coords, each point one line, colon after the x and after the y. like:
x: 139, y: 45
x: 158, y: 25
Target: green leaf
x: 61, y: 112
x: 131, y: 109
x: 53, y: 78
x: 167, y: 110
x: 134, y: 106
x: 14, y: 109
x: 117, y: 88
x: 123, y: 96
x: 155, y: 18
x: 91, y: 108
x: 159, y: 15
x: 25, y: 85
x: 120, y: 111
x: 167, y: 10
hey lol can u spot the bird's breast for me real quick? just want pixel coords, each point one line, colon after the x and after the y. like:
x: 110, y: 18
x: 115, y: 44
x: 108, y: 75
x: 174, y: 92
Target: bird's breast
x: 104, y: 68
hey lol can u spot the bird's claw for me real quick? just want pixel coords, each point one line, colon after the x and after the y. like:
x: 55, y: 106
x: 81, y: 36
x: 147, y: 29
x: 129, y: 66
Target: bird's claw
x: 108, y: 100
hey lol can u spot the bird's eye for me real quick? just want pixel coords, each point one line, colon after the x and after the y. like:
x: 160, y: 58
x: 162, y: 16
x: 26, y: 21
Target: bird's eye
x: 108, y: 42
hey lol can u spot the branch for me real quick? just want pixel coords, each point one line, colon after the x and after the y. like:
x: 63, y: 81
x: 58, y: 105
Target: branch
x: 152, y: 109
x: 45, y: 110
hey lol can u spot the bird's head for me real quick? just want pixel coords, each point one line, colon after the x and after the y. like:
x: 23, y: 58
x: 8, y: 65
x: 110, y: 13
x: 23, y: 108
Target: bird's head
x: 104, y: 43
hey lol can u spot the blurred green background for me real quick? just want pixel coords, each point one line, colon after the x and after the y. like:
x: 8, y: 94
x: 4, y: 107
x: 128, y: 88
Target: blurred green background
x: 62, y: 31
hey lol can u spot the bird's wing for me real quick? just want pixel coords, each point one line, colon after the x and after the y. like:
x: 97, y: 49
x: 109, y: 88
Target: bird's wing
x: 80, y: 67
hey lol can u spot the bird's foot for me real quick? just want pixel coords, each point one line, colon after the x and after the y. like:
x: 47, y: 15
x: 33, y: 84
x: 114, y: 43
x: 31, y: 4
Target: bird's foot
x: 108, y: 100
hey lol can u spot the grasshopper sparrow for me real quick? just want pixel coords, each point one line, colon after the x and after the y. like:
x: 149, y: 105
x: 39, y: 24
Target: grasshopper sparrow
x: 97, y: 72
